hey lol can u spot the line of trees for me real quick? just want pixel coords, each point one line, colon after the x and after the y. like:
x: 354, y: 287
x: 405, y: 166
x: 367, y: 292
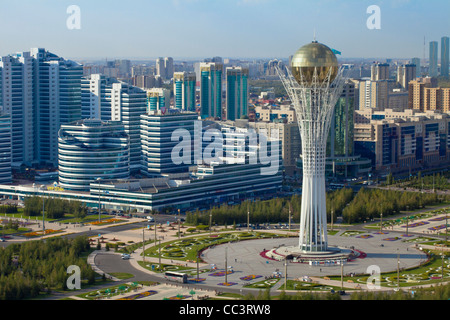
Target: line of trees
x: 32, y: 267
x: 371, y: 203
x: 435, y: 181
x: 353, y: 208
x: 8, y: 209
x: 267, y: 211
x: 54, y: 208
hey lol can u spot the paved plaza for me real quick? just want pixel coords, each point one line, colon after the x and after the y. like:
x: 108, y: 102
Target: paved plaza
x: 376, y: 250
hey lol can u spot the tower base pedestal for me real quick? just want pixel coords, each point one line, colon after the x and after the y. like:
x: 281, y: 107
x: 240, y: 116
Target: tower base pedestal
x: 333, y: 255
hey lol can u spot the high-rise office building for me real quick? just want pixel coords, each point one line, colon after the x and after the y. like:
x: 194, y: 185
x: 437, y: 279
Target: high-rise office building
x: 374, y: 94
x: 236, y: 93
x: 445, y: 56
x: 5, y: 149
x: 160, y: 68
x: 403, y: 141
x: 289, y: 136
x: 380, y: 71
x: 157, y: 144
x: 108, y: 99
x: 124, y: 68
x: 405, y: 74
x: 165, y: 67
x: 158, y: 99
x: 92, y: 149
x: 340, y: 142
x: 417, y: 90
x: 146, y: 81
x: 184, y: 84
x: 211, y: 90
x: 16, y: 73
x: 96, y: 97
x: 41, y: 91
x: 58, y: 83
x: 416, y: 62
x: 168, y: 65
x: 433, y: 68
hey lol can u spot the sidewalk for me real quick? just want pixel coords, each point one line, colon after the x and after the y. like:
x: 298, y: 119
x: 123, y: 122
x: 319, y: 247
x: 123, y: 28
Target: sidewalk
x: 65, y: 229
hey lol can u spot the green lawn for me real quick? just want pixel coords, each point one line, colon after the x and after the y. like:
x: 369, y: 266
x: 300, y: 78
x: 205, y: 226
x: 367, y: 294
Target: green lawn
x: 428, y: 273
x: 264, y: 284
x: 187, y: 249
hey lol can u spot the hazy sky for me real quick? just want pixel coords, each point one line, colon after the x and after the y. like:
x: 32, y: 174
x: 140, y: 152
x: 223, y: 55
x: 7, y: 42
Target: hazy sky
x: 145, y: 29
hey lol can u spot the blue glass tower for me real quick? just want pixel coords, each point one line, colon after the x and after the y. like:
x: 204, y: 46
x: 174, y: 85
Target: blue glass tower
x: 433, y: 69
x: 211, y: 90
x: 237, y: 93
x: 445, y: 57
x: 184, y: 91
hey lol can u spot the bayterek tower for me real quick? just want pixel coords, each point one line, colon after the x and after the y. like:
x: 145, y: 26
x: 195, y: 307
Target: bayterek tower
x: 314, y: 83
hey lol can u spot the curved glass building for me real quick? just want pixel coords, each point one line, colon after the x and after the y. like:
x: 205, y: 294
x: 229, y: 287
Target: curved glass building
x: 92, y: 149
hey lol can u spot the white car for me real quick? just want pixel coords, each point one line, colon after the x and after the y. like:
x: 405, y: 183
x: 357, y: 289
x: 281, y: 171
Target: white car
x: 125, y: 256
x: 150, y: 219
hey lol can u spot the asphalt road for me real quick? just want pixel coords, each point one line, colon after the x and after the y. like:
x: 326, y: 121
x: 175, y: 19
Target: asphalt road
x: 111, y: 263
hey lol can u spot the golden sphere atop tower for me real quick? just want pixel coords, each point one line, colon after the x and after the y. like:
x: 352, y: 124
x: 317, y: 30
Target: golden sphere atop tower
x: 312, y: 57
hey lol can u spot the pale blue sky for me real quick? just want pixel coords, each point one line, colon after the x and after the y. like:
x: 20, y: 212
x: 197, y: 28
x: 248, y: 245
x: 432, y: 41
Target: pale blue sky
x: 229, y: 28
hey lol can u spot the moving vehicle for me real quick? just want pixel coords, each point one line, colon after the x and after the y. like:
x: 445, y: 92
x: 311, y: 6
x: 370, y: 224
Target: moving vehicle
x: 176, y: 276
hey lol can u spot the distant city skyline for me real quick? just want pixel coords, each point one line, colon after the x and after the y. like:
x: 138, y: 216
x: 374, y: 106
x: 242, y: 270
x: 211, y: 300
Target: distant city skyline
x: 195, y: 29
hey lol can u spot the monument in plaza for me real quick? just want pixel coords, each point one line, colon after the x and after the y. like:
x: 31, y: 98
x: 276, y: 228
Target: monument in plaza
x: 314, y: 83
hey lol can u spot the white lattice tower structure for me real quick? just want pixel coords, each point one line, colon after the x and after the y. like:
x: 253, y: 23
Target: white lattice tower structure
x: 314, y: 99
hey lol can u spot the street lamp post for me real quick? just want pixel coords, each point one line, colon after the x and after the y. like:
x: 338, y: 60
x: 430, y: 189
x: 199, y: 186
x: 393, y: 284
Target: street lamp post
x: 210, y: 221
x: 155, y: 233
x: 446, y: 228
x: 179, y: 222
x: 198, y: 267
x: 290, y: 210
x: 381, y: 220
x: 332, y: 216
x: 285, y: 273
x: 43, y: 212
x: 143, y: 243
x: 248, y: 219
x: 160, y: 255
x: 226, y: 265
x: 99, y: 205
x: 407, y: 224
x: 398, y: 270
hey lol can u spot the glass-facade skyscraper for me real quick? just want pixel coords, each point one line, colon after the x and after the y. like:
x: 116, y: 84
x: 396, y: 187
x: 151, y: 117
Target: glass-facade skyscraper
x: 157, y: 141
x: 433, y: 68
x: 342, y: 159
x: 40, y: 91
x: 211, y: 90
x: 416, y: 62
x: 184, y: 91
x: 445, y: 57
x: 16, y: 93
x: 158, y: 99
x: 236, y: 93
x: 5, y: 149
